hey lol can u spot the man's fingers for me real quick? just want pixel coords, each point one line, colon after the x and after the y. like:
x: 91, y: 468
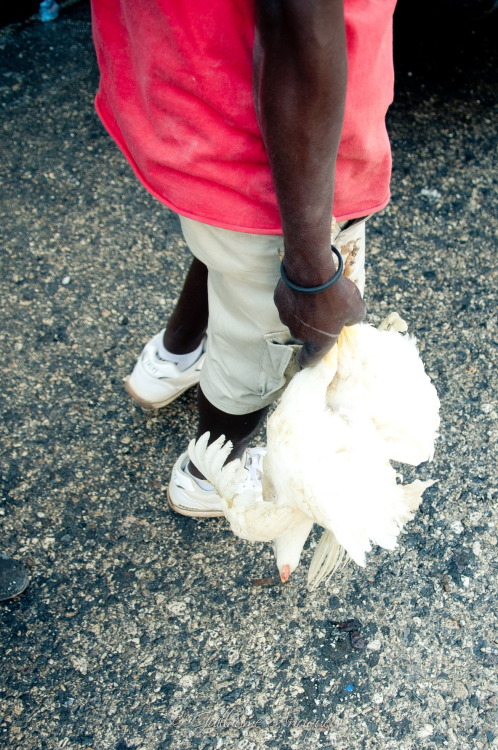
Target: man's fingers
x: 311, y: 354
x: 360, y: 313
x: 316, y: 321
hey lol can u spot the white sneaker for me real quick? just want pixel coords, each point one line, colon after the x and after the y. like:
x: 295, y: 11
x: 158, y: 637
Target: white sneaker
x: 155, y: 383
x: 186, y: 497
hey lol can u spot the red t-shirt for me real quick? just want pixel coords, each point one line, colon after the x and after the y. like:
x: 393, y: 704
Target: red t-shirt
x: 176, y: 95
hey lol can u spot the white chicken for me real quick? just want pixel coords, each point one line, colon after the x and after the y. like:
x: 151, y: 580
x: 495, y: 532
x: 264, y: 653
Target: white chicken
x: 329, y: 446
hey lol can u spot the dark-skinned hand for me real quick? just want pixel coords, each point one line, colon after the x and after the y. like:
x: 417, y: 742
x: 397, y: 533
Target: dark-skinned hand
x: 317, y: 319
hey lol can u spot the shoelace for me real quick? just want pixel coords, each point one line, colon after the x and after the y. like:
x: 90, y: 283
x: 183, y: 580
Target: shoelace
x: 253, y: 463
x: 254, y: 466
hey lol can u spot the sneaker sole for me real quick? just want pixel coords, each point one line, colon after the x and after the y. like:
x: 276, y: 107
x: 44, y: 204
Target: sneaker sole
x: 150, y: 405
x: 192, y: 513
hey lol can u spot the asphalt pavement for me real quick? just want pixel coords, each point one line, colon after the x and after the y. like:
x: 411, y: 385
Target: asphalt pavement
x: 143, y: 629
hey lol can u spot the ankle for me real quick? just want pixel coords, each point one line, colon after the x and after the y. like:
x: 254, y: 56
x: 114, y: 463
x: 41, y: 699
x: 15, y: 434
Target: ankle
x: 183, y: 361
x: 181, y: 345
x: 194, y: 471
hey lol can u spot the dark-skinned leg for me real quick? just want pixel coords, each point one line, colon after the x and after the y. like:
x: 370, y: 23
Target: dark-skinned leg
x: 239, y: 429
x: 188, y: 323
x: 184, y: 332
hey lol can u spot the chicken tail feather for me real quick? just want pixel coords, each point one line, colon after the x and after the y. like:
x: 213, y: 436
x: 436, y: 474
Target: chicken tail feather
x: 329, y: 557
x: 210, y: 460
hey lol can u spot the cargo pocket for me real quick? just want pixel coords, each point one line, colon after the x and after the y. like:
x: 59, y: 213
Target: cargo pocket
x: 278, y: 364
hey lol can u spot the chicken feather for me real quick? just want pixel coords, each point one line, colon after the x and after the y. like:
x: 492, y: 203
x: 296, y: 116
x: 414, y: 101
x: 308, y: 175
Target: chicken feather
x: 330, y: 443
x: 250, y: 517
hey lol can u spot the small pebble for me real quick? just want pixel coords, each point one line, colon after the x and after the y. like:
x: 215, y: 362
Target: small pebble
x: 426, y: 731
x: 374, y: 645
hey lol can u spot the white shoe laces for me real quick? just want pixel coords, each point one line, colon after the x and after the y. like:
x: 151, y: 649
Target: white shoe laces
x: 254, y: 465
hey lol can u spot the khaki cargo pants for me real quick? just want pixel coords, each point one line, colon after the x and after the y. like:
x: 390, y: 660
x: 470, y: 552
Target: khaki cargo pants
x: 250, y: 354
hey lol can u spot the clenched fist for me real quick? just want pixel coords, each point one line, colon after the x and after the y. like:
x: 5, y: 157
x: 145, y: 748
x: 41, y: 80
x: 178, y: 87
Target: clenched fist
x: 317, y: 319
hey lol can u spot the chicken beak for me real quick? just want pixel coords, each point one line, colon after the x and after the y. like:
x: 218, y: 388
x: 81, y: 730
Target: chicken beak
x: 285, y: 573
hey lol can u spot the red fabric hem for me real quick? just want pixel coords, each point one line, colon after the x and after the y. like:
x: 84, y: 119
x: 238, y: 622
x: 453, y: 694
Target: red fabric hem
x: 206, y: 219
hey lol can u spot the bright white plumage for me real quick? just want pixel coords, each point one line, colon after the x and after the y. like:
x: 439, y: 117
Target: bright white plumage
x: 329, y: 445
x: 249, y: 516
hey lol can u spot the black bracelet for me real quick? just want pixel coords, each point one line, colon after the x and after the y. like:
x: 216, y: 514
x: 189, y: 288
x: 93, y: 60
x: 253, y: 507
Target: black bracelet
x: 320, y: 287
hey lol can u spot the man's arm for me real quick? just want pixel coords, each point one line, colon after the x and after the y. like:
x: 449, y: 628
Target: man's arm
x: 300, y: 72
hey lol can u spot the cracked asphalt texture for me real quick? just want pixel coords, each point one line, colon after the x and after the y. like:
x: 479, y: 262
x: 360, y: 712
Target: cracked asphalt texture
x: 143, y: 629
